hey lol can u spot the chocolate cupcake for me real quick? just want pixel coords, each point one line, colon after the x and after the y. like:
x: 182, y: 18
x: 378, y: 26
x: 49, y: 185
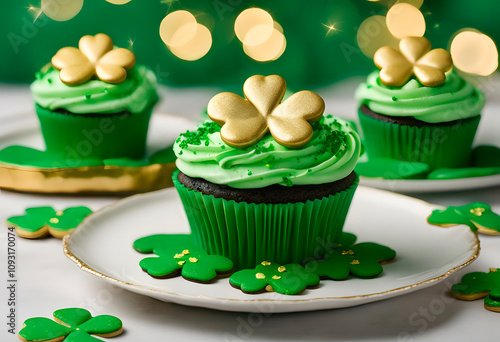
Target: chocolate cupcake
x: 253, y: 196
x: 418, y: 110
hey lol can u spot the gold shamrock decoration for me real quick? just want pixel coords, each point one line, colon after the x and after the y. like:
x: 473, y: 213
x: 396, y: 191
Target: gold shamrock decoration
x: 245, y: 120
x: 414, y: 57
x: 94, y: 56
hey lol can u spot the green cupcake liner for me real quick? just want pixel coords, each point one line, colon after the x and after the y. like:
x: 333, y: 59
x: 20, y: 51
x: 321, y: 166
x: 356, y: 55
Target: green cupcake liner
x: 106, y: 136
x: 249, y: 233
x: 439, y: 146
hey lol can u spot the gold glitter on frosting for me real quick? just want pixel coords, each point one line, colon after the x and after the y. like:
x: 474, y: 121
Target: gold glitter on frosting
x: 244, y: 121
x: 414, y: 57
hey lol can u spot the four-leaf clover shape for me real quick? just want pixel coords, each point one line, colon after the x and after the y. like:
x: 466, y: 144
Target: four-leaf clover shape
x: 361, y: 260
x: 176, y: 255
x: 94, y: 56
x: 288, y: 279
x: 245, y: 120
x: 41, y: 221
x: 414, y: 57
x: 477, y: 285
x: 71, y: 325
x: 478, y: 216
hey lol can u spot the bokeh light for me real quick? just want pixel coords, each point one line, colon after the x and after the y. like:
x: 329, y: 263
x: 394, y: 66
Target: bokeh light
x: 405, y: 20
x: 474, y: 52
x: 184, y: 36
x: 195, y: 48
x: 269, y: 50
x: 254, y: 26
x: 180, y: 24
x: 373, y: 34
x: 118, y: 2
x: 61, y: 10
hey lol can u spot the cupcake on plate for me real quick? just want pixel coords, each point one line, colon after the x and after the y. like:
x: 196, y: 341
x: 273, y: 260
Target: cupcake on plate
x: 93, y: 102
x: 266, y: 179
x: 417, y: 109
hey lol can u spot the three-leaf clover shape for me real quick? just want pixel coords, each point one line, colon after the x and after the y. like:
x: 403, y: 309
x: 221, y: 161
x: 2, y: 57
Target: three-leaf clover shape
x: 41, y: 221
x: 414, y: 57
x: 361, y: 260
x: 477, y: 285
x: 71, y: 325
x: 245, y: 120
x: 94, y: 56
x: 478, y: 216
x: 287, y: 279
x: 176, y: 255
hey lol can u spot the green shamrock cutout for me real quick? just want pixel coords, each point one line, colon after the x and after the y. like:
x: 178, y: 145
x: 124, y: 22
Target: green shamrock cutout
x: 477, y: 285
x: 178, y: 256
x: 361, y: 260
x: 289, y: 279
x: 71, y: 325
x: 478, y: 216
x: 42, y: 221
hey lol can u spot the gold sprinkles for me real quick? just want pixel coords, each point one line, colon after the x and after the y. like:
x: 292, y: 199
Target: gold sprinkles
x: 260, y: 276
x: 193, y: 259
x: 493, y: 269
x: 265, y: 263
x: 477, y: 211
x: 281, y: 269
x: 354, y: 262
x: 54, y: 220
x: 181, y: 262
x: 350, y: 252
x: 276, y: 277
x: 178, y: 256
x: 185, y: 252
x: 59, y: 213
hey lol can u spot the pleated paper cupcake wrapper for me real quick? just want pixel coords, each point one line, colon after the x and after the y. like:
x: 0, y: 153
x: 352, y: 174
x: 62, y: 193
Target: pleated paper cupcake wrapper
x: 438, y: 146
x: 95, y: 136
x: 250, y: 233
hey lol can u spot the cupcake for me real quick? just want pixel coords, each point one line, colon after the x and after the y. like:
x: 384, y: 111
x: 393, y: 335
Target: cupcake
x: 93, y: 102
x: 267, y: 180
x: 416, y: 109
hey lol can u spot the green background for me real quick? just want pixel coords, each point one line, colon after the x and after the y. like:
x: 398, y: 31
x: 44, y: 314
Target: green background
x: 311, y: 58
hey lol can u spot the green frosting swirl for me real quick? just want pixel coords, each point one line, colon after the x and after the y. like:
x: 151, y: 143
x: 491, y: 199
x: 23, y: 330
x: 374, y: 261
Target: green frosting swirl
x: 330, y: 155
x: 455, y: 99
x: 137, y: 92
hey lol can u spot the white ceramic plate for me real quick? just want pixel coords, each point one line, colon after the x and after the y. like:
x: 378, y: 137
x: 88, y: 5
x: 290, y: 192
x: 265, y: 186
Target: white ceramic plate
x: 426, y: 254
x: 431, y: 185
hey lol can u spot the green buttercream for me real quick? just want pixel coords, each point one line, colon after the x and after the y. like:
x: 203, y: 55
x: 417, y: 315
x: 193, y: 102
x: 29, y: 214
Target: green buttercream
x: 78, y: 325
x: 137, y: 92
x: 331, y: 155
x: 454, y: 100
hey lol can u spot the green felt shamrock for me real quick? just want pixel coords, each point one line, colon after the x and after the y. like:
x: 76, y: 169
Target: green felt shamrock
x: 71, y: 325
x: 478, y: 216
x: 361, y: 260
x: 289, y: 279
x: 178, y: 256
x: 477, y: 285
x: 41, y: 221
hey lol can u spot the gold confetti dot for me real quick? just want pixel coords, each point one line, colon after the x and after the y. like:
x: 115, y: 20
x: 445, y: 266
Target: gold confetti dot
x: 281, y: 269
x: 265, y: 263
x: 404, y: 20
x: 193, y: 259
x: 178, y: 256
x: 54, y: 220
x: 181, y: 262
x: 477, y: 211
x: 59, y: 213
x: 354, y: 262
x: 276, y: 277
x: 474, y: 52
x: 61, y: 10
x: 260, y: 276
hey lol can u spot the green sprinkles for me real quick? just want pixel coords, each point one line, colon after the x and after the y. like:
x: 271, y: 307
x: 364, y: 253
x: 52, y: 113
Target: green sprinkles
x: 394, y: 98
x: 87, y: 96
x: 287, y: 181
x: 249, y: 173
x: 198, y: 137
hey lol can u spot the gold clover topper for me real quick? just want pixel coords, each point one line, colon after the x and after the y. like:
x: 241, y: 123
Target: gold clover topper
x: 414, y: 57
x: 94, y: 56
x: 244, y: 121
